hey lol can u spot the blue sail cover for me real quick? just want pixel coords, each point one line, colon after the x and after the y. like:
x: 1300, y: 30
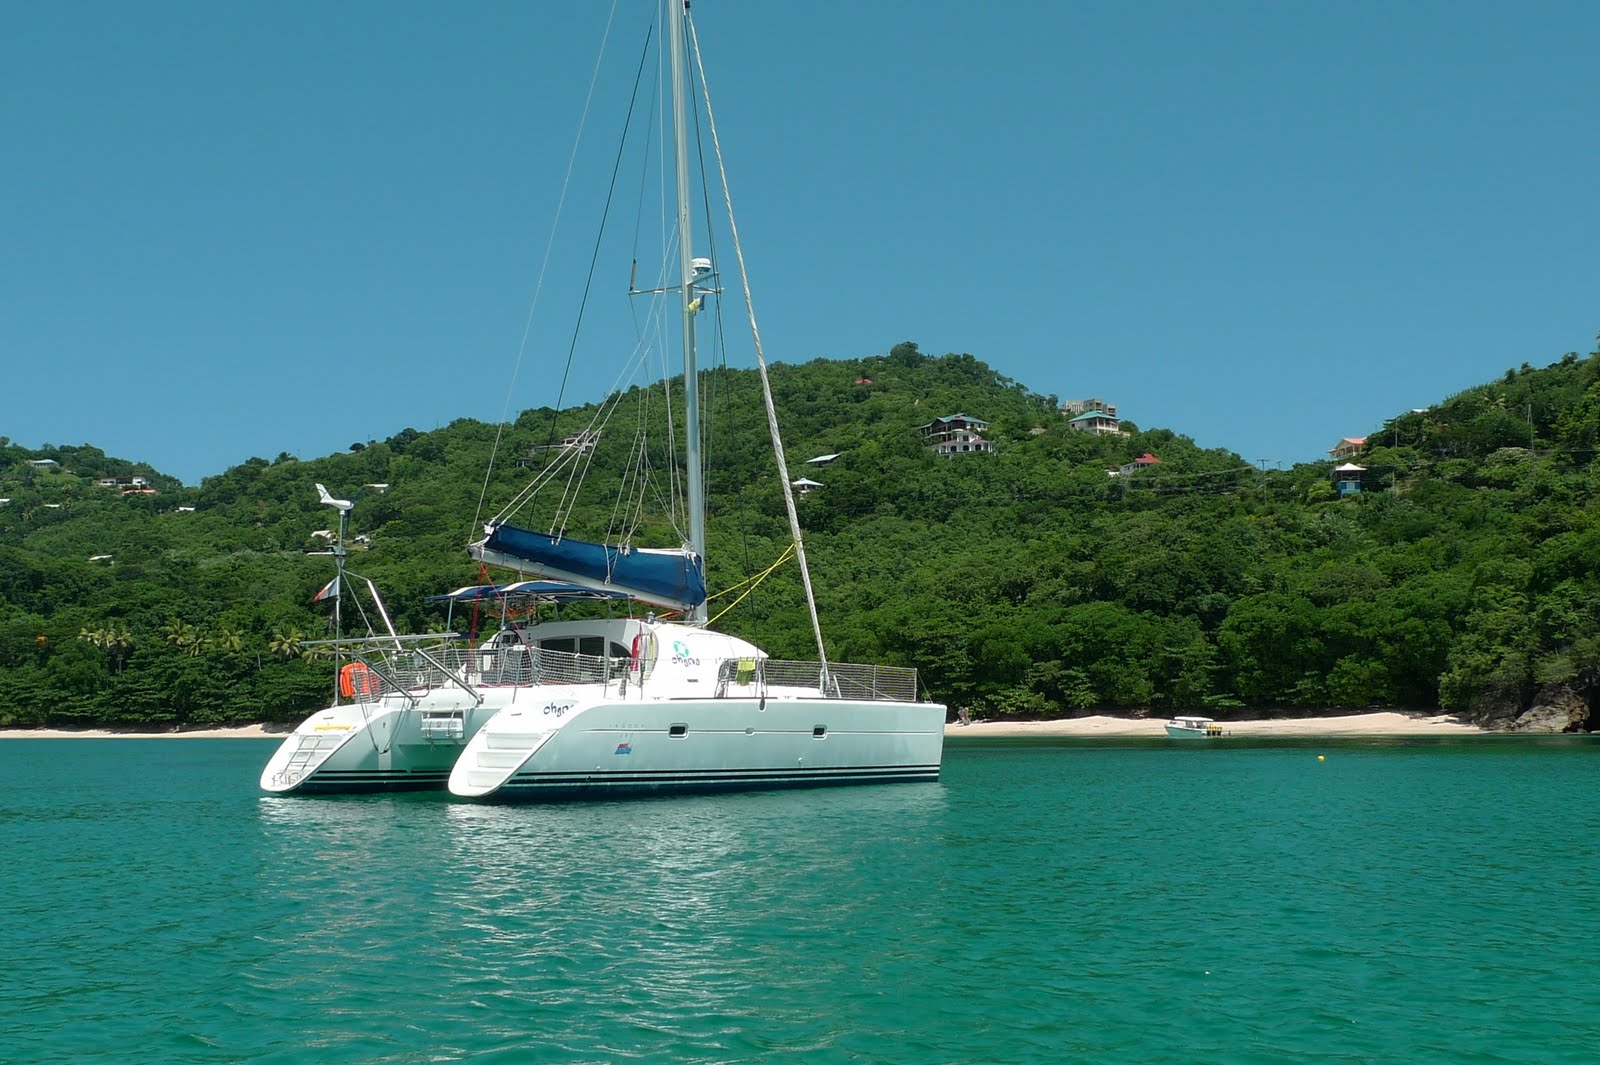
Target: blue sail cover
x: 668, y: 578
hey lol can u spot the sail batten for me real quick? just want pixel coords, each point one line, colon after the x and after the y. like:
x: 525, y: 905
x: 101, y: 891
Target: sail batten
x: 672, y: 578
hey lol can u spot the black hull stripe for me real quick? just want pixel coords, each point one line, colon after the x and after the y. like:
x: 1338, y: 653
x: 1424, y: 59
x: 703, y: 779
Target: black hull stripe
x: 600, y: 789
x: 383, y: 774
x: 359, y: 787
x: 698, y: 774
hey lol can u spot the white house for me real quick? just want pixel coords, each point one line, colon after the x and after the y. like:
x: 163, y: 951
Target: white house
x: 956, y: 434
x: 1146, y: 461
x: 1097, y: 422
x: 1347, y: 448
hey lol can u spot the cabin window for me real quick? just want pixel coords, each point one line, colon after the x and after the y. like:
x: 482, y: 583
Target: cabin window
x: 678, y: 731
x: 594, y: 646
x: 619, y: 651
x: 820, y: 732
x: 566, y: 645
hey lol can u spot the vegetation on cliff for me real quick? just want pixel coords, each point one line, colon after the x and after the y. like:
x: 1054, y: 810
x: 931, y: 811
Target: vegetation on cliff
x: 1465, y: 574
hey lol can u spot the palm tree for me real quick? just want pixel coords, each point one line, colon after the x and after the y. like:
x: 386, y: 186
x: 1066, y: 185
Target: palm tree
x: 285, y: 644
x: 118, y: 641
x: 185, y: 637
x: 227, y: 638
x: 97, y: 637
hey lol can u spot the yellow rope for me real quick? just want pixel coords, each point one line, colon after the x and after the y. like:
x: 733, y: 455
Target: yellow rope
x: 752, y: 582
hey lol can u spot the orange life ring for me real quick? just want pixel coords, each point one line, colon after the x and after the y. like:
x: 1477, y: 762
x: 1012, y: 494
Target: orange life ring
x: 355, y: 679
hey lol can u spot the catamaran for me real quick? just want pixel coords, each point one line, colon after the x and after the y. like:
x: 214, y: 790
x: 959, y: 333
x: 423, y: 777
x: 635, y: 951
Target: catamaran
x: 648, y: 703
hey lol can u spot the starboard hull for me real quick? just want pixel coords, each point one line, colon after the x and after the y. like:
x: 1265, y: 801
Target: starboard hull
x: 683, y: 746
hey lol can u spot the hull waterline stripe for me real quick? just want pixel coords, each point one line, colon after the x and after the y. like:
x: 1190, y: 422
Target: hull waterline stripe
x: 601, y: 788
x: 751, y: 771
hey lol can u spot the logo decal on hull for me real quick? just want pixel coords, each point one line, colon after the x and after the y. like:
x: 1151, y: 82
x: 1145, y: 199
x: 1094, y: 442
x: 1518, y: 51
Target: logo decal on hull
x: 624, y: 748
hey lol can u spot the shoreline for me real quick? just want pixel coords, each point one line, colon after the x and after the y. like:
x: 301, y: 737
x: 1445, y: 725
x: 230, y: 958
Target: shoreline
x: 232, y: 732
x: 1385, y: 723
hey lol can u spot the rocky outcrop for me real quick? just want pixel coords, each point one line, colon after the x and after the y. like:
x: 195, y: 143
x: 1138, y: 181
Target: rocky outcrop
x: 1494, y: 710
x: 1556, y: 708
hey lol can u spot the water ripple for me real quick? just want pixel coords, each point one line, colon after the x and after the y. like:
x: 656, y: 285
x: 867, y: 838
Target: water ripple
x: 1043, y: 903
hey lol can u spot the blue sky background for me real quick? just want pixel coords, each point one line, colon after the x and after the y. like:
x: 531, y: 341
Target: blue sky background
x: 234, y: 230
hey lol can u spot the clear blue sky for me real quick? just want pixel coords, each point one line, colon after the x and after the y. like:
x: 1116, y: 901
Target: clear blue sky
x: 233, y: 230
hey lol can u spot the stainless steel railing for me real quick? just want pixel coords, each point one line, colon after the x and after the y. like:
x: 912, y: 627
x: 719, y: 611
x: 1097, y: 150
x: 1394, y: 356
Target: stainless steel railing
x: 840, y: 680
x: 412, y: 667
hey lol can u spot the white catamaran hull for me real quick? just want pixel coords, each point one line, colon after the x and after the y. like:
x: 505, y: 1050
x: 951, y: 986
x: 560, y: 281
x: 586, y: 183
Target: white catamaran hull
x: 389, y: 745
x: 611, y: 748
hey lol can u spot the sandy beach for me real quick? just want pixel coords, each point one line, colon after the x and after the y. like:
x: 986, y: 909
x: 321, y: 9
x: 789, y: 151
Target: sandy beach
x: 239, y: 732
x: 1389, y: 723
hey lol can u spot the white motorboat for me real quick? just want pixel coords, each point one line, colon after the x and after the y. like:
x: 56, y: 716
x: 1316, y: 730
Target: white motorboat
x: 1201, y: 728
x: 614, y: 706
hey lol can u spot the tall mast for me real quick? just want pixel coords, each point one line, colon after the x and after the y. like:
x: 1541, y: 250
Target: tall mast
x: 677, y: 10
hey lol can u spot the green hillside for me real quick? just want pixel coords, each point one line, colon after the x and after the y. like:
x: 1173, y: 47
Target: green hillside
x: 1465, y: 575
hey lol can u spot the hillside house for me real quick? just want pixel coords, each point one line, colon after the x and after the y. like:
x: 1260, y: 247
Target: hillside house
x: 805, y: 485
x: 956, y: 434
x: 1074, y: 407
x: 122, y: 482
x: 1146, y: 461
x: 822, y: 460
x: 1347, y: 479
x: 1097, y: 422
x: 1347, y: 448
x: 44, y: 464
x: 582, y: 442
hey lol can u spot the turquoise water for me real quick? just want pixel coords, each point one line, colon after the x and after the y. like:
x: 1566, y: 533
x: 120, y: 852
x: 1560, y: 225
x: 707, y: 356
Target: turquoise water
x: 1043, y: 903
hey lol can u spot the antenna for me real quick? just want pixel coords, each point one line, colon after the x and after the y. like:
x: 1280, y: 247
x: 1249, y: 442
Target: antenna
x: 344, y: 507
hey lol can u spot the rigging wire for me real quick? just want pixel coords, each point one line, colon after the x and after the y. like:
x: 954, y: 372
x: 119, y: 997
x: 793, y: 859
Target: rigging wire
x: 720, y: 337
x: 544, y: 265
x: 674, y: 508
x: 594, y: 255
x: 761, y: 360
